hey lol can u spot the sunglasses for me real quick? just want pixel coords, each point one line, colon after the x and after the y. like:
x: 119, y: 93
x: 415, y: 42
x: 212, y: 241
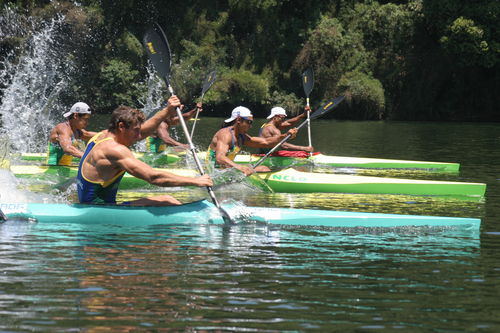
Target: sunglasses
x: 248, y: 121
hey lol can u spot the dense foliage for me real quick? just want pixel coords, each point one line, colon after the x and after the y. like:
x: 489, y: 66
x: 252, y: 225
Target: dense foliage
x: 405, y: 59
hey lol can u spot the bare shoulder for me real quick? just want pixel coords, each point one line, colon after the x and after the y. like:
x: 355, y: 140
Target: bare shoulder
x: 115, y: 150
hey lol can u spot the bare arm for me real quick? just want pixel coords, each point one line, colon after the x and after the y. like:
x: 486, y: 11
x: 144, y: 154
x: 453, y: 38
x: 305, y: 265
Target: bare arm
x: 174, y: 121
x: 87, y: 135
x: 152, y: 123
x: 269, y: 142
x: 163, y: 134
x: 63, y: 134
x: 126, y: 161
x: 293, y: 121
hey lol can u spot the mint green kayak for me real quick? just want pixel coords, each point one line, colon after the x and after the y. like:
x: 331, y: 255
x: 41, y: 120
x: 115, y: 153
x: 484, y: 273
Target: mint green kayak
x: 350, y: 162
x: 204, y: 212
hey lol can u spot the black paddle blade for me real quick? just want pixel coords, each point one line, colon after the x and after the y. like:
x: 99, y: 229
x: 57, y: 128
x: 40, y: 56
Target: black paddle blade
x: 327, y: 107
x: 308, y: 81
x: 158, y: 50
x: 209, y: 81
x: 3, y: 217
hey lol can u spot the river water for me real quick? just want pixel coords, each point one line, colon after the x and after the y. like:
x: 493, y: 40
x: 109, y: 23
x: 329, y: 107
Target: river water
x: 68, y: 277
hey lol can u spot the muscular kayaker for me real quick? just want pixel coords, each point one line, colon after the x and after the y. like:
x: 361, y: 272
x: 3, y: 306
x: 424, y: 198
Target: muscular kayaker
x: 160, y: 139
x: 276, y: 123
x: 229, y: 140
x: 108, y: 157
x: 65, y: 137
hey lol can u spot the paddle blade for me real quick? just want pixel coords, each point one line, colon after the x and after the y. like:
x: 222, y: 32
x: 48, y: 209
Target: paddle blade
x: 158, y: 50
x: 308, y: 81
x: 327, y: 107
x: 209, y: 81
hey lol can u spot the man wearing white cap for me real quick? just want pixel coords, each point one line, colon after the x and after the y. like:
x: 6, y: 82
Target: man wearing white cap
x: 65, y: 137
x: 229, y: 140
x: 277, y: 122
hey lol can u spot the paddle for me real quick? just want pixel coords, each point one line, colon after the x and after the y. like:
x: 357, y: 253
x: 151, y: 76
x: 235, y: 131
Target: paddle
x: 158, y: 50
x: 209, y: 80
x: 308, y: 83
x: 327, y: 107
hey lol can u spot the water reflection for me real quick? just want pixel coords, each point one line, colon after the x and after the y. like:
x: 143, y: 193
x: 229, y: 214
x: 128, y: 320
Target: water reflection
x: 194, y: 277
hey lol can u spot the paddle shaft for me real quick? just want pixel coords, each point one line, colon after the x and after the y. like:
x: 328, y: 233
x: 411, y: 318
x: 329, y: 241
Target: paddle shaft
x: 192, y: 148
x: 156, y: 45
x: 206, y: 85
x: 308, y: 84
x: 195, y: 120
x: 309, y: 126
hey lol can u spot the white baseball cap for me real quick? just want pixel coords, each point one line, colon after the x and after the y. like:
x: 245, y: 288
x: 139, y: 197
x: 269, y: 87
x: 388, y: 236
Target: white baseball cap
x: 277, y: 111
x: 79, y: 107
x: 239, y: 111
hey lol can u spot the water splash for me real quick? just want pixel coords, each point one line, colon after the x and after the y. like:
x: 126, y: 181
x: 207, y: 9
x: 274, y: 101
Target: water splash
x: 31, y: 83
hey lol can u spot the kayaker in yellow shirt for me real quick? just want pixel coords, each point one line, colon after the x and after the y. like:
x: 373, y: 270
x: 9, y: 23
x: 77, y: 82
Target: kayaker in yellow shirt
x: 229, y: 140
x: 276, y: 123
x: 108, y: 157
x: 66, y: 136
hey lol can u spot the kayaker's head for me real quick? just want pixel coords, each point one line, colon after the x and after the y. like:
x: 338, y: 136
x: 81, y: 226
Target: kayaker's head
x: 126, y: 124
x: 277, y: 115
x: 242, y: 118
x: 78, y: 115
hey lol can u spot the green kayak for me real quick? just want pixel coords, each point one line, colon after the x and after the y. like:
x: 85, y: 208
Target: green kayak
x: 293, y: 181
x: 350, y: 162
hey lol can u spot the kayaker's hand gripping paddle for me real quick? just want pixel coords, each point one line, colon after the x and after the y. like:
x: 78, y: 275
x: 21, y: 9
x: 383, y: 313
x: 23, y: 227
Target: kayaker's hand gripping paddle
x: 158, y: 50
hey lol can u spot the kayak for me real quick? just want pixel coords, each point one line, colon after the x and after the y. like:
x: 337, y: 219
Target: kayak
x: 150, y: 158
x: 204, y: 212
x: 281, y: 162
x: 349, y: 162
x: 293, y: 181
x: 65, y: 172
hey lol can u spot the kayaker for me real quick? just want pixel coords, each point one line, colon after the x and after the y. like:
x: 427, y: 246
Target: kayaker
x: 67, y: 139
x: 229, y: 140
x: 161, y: 139
x: 276, y: 123
x: 108, y: 157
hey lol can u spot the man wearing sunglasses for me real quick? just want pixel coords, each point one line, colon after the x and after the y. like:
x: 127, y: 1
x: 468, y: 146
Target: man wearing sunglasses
x: 276, y: 123
x: 229, y: 140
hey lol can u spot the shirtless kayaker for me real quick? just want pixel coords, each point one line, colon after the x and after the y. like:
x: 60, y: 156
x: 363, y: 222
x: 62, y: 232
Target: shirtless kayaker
x: 160, y: 139
x: 229, y: 140
x: 65, y: 137
x: 278, y: 122
x: 108, y: 157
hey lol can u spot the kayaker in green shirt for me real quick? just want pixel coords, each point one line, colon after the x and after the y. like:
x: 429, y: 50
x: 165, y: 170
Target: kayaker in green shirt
x: 65, y: 137
x: 276, y: 123
x: 229, y: 140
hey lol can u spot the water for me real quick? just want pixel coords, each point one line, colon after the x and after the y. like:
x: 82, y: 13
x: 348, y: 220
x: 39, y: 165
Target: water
x: 269, y: 278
